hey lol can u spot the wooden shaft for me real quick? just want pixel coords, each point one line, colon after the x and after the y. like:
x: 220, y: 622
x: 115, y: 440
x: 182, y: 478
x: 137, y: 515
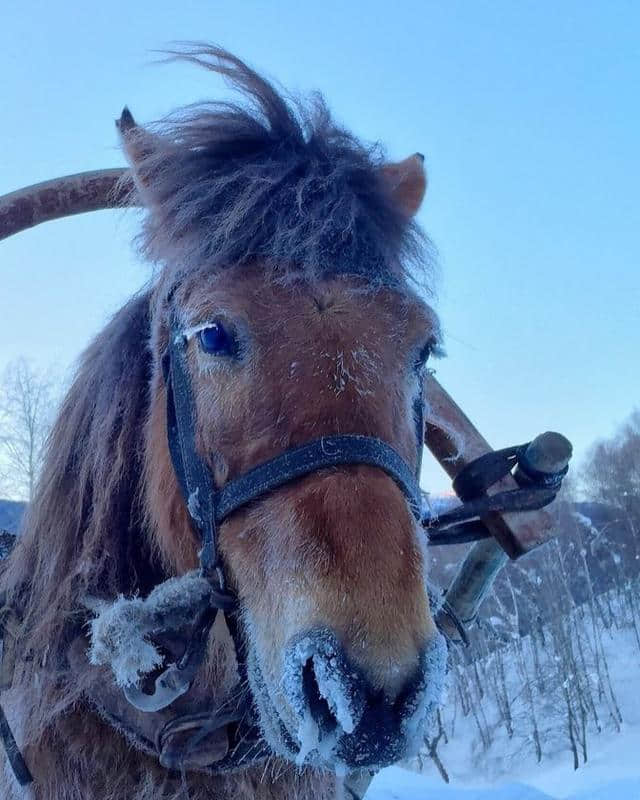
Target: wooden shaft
x: 548, y: 453
x: 63, y: 197
x: 474, y: 580
x: 455, y: 442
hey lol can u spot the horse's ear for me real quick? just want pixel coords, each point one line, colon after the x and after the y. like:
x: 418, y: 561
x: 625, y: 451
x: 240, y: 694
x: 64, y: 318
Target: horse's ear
x: 139, y: 147
x: 407, y: 182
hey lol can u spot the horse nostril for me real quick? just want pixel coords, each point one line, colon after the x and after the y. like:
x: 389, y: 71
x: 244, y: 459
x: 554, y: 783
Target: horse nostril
x: 334, y: 712
x: 317, y: 704
x: 325, y: 692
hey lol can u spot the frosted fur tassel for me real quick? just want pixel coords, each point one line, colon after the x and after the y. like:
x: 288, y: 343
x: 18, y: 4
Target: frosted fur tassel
x: 122, y: 631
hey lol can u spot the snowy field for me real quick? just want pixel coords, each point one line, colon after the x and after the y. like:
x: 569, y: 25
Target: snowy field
x: 507, y: 771
x: 399, y: 784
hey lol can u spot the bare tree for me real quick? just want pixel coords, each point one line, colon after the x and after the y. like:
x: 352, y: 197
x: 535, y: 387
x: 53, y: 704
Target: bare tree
x: 27, y: 404
x: 612, y: 470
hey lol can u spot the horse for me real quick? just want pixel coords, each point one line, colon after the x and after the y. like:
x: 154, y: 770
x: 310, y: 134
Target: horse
x: 288, y: 319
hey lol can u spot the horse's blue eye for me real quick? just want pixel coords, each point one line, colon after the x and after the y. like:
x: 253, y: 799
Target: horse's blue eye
x: 217, y: 340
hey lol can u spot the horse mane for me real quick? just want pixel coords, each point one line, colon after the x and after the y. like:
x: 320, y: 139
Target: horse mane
x: 273, y: 180
x: 82, y: 532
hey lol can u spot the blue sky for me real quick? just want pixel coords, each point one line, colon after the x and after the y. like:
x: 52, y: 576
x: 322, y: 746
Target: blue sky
x: 527, y: 114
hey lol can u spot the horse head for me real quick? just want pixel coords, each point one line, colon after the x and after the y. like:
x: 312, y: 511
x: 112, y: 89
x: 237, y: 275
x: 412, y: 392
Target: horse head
x: 288, y: 258
x: 299, y: 323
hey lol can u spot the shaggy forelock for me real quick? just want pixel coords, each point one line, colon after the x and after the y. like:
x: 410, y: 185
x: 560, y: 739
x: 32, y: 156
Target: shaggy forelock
x: 272, y: 180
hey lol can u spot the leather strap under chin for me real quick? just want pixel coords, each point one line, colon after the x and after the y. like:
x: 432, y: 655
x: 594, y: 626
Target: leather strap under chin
x: 196, y: 733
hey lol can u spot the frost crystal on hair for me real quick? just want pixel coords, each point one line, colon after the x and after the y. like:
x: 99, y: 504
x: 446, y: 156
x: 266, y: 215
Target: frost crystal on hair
x: 121, y: 631
x: 435, y: 505
x: 330, y: 671
x: 309, y: 736
x: 337, y: 684
x: 419, y: 713
x: 193, y: 504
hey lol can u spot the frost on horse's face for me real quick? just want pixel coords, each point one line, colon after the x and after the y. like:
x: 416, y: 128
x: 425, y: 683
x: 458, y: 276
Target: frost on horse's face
x: 344, y: 660
x: 287, y: 247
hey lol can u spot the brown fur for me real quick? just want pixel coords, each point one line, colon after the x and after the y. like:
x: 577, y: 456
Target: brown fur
x: 324, y: 353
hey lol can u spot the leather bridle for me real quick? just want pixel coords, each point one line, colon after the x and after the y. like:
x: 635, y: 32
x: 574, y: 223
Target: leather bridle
x: 207, y: 508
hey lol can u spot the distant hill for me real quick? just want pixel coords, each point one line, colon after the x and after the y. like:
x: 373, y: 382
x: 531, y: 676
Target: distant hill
x: 10, y: 515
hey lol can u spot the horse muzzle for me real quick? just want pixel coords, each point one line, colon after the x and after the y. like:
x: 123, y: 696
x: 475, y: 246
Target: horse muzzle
x: 334, y: 718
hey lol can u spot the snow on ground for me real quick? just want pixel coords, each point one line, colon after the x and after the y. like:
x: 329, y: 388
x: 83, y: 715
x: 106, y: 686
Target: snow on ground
x: 613, y: 757
x: 611, y: 773
x: 396, y: 783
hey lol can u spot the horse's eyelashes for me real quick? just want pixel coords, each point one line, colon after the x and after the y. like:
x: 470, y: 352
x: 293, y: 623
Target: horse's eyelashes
x: 423, y: 355
x: 216, y: 339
